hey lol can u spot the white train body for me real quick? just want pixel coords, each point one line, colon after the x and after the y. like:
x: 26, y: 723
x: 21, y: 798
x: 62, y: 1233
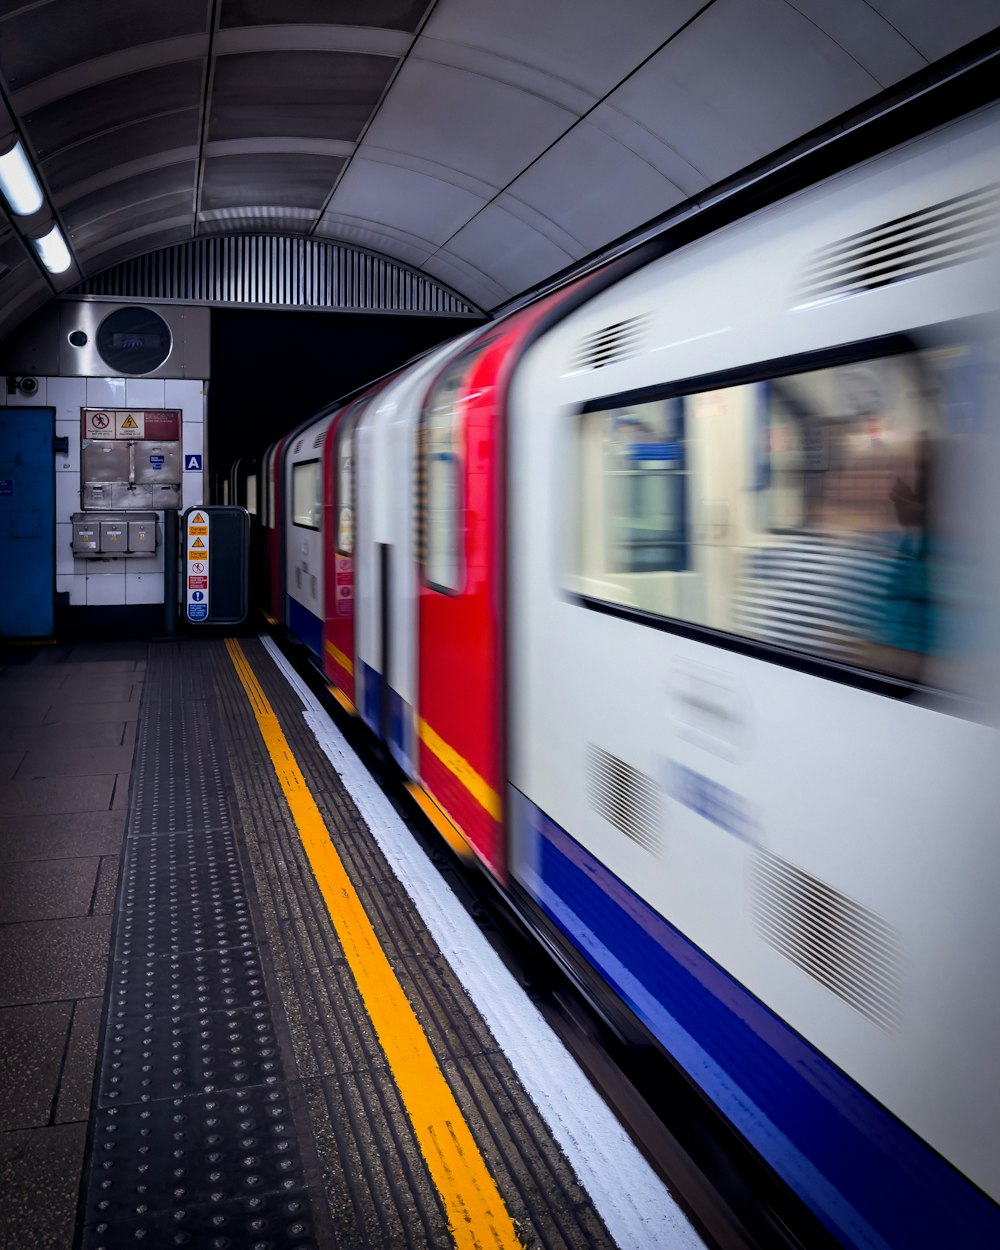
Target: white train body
x: 769, y: 803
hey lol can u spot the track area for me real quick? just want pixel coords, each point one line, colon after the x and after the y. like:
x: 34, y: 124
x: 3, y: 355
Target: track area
x: 264, y: 1077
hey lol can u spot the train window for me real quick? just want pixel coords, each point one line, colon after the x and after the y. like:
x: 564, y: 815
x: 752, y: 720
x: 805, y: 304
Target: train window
x: 795, y: 511
x: 345, y: 486
x: 252, y: 494
x: 440, y: 521
x: 307, y: 494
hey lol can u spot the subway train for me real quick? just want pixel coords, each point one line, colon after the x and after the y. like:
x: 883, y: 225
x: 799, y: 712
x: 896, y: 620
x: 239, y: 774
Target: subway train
x: 675, y: 596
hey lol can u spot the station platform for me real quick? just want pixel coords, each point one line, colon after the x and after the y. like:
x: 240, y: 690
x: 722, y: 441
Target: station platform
x: 278, y: 1028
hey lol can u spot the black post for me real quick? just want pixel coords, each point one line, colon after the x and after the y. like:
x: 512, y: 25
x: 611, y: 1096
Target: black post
x: 170, y: 558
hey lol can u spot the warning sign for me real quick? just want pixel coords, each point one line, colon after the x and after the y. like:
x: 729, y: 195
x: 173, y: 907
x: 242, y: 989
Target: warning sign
x: 196, y: 543
x: 130, y: 424
x: 156, y: 424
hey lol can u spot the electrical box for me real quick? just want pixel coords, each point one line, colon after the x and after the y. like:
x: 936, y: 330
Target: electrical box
x: 130, y: 458
x: 108, y: 535
x: 114, y: 538
x: 86, y: 536
x: 141, y: 537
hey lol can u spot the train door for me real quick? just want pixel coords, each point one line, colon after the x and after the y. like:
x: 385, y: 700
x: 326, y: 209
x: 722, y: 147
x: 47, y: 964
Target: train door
x: 339, y: 536
x: 461, y: 601
x: 27, y: 522
x: 305, y: 496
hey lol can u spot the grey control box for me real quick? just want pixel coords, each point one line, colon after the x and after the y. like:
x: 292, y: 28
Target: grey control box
x: 107, y: 535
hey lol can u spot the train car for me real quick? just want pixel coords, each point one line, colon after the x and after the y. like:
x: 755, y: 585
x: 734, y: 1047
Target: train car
x: 273, y: 531
x: 754, y: 596
x: 675, y: 598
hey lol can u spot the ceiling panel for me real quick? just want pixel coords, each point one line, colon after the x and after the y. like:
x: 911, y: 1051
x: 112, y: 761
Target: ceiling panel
x: 579, y: 185
x: 590, y: 43
x: 935, y: 29
x: 132, y: 192
x: 72, y: 166
x: 719, y: 93
x: 309, y: 94
x: 38, y: 40
x: 508, y: 250
x: 275, y: 179
x: 391, y: 14
x: 134, y: 217
x: 121, y: 102
x: 482, y: 127
x: 428, y: 208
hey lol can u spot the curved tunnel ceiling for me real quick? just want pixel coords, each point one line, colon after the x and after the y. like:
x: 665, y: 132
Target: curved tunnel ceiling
x: 487, y: 145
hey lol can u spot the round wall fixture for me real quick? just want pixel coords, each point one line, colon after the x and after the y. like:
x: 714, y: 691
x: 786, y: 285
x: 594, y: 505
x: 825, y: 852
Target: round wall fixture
x: 78, y: 338
x: 133, y: 340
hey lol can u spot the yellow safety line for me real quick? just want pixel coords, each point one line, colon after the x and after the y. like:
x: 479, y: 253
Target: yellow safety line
x: 343, y: 660
x: 481, y: 790
x: 440, y: 819
x: 477, y: 1217
x: 342, y: 699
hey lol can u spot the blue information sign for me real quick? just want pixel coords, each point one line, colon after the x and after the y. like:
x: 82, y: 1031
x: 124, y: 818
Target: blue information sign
x: 197, y: 611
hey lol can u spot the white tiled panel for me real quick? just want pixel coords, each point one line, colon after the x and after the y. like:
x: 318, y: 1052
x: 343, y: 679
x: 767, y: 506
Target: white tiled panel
x: 144, y: 393
x: 144, y: 587
x: 192, y: 490
x: 71, y: 431
x: 194, y: 437
x: 105, y: 588
x: 67, y: 396
x: 187, y: 395
x: 105, y: 392
x: 67, y: 494
x: 65, y: 560
x: 76, y: 584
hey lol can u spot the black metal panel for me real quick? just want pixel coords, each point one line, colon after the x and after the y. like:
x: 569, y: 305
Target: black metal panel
x: 322, y: 95
x: 391, y: 14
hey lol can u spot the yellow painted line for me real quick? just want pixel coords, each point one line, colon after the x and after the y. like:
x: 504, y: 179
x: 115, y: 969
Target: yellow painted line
x: 441, y: 821
x: 344, y: 661
x: 481, y: 790
x: 342, y: 699
x: 477, y: 1217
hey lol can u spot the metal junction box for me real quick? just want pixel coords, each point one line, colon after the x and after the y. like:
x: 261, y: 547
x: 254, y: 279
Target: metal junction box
x: 106, y: 535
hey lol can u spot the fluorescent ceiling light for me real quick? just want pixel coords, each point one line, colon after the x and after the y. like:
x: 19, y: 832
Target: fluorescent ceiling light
x: 18, y: 182
x: 52, y: 249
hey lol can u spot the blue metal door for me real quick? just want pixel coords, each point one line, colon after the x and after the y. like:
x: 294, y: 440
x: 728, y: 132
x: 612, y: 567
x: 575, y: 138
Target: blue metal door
x: 27, y: 522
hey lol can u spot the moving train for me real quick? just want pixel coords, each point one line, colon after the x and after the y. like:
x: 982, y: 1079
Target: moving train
x: 675, y: 596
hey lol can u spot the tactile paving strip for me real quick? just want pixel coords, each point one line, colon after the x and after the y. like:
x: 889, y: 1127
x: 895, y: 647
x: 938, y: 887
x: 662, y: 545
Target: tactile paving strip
x: 195, y: 1141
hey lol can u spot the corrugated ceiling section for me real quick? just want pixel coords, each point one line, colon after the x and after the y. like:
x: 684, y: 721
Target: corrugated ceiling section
x: 277, y: 272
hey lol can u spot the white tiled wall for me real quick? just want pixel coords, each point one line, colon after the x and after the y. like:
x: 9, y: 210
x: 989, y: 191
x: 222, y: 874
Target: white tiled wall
x: 139, y: 579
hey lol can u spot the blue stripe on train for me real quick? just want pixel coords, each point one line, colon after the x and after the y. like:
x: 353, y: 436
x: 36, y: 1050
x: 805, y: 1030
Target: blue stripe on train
x: 400, y: 716
x: 305, y: 626
x: 872, y: 1181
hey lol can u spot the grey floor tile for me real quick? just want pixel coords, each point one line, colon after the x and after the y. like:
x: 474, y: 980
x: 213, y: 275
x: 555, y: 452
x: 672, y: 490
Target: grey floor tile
x: 50, y: 737
x: 54, y: 959
x: 10, y: 761
x: 47, y: 889
x: 15, y: 711
x: 75, y: 761
x: 107, y: 886
x: 89, y: 713
x: 77, y: 1085
x: 40, y: 1173
x: 93, y: 690
x: 32, y: 1045
x: 57, y: 794
x: 67, y: 835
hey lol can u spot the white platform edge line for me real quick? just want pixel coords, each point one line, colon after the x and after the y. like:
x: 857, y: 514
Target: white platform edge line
x: 636, y: 1206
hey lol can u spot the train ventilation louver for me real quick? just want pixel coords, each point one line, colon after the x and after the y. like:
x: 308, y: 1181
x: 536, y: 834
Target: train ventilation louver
x: 615, y: 342
x: 318, y: 440
x: 625, y: 797
x: 941, y: 236
x: 837, y: 941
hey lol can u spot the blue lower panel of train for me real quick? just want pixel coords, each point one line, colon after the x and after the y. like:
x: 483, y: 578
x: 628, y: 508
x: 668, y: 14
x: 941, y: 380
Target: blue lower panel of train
x: 306, y: 626
x: 872, y: 1181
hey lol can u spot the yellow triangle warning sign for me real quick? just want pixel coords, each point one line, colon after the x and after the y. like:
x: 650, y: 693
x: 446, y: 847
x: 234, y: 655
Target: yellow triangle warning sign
x: 197, y: 543
x: 130, y: 423
x: 197, y: 519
